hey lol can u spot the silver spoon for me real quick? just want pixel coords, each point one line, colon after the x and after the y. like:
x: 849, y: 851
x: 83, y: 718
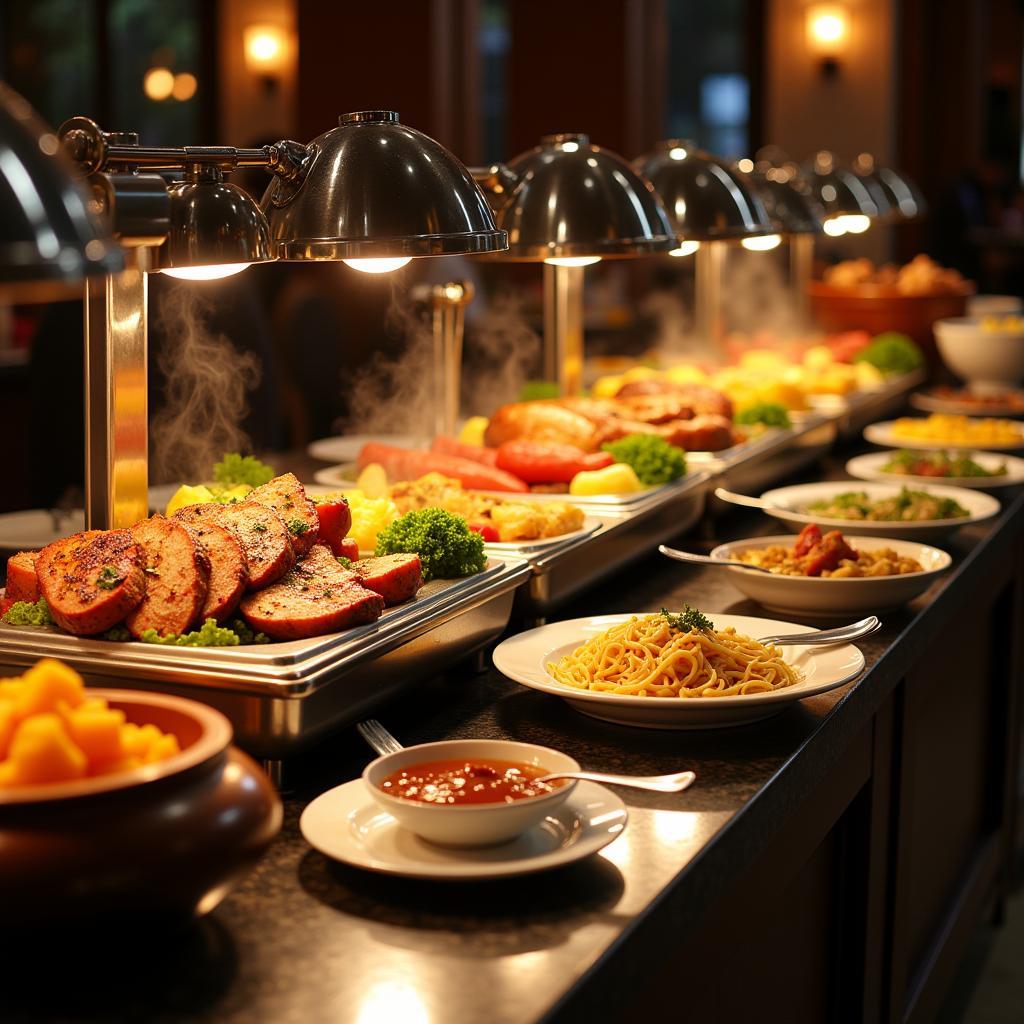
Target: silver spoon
x: 841, y: 634
x: 745, y: 499
x: 688, y: 556
x: 384, y: 743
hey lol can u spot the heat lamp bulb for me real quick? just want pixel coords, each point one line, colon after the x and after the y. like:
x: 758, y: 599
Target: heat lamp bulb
x: 572, y: 261
x: 687, y: 248
x: 211, y: 273
x: 378, y: 266
x: 857, y: 223
x: 835, y: 226
x: 762, y: 243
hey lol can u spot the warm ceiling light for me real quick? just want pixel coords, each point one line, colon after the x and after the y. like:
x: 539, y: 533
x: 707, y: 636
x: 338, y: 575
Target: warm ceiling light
x: 762, y: 243
x: 835, y: 226
x: 266, y: 49
x: 687, y: 248
x: 205, y: 273
x: 746, y: 165
x: 185, y: 86
x: 378, y: 266
x: 572, y: 261
x: 856, y: 223
x: 827, y: 29
x: 158, y: 83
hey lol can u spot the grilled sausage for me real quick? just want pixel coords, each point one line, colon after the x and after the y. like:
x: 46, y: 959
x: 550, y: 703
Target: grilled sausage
x: 177, y: 577
x: 22, y: 582
x: 91, y: 580
x: 266, y: 543
x: 287, y: 497
x: 396, y: 578
x: 228, y: 574
x: 318, y: 596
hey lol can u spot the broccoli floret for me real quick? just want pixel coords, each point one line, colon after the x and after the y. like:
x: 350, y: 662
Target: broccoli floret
x: 447, y: 547
x: 242, y: 469
x: 27, y: 613
x: 892, y: 353
x: 771, y: 414
x: 538, y: 390
x: 653, y: 459
x: 208, y: 635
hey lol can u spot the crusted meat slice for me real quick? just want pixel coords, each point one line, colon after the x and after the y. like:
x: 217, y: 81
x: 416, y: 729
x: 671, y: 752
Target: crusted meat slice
x: 287, y: 497
x: 91, y: 580
x: 396, y: 578
x: 22, y: 582
x: 228, y: 573
x: 266, y: 543
x: 318, y: 596
x: 177, y: 577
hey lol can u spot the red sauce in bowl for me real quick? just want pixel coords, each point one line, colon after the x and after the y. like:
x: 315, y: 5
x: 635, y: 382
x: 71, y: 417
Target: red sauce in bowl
x: 460, y: 782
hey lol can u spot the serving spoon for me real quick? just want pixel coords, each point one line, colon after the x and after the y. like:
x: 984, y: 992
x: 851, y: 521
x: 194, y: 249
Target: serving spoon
x: 841, y: 634
x: 689, y: 556
x: 745, y: 499
x: 384, y: 743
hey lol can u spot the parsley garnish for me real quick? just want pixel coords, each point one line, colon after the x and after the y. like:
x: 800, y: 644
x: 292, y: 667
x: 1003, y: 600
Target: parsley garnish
x: 297, y: 527
x: 688, y: 619
x: 108, y: 578
x: 260, y: 527
x: 345, y: 563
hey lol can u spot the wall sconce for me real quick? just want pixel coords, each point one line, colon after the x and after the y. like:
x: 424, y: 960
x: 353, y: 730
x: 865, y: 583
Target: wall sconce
x: 266, y: 53
x: 828, y: 31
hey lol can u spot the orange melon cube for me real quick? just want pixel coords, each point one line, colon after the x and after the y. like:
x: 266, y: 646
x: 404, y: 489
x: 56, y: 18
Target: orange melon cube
x: 42, y: 751
x: 166, y: 746
x: 137, y: 739
x: 96, y: 732
x: 47, y: 683
x: 8, y: 722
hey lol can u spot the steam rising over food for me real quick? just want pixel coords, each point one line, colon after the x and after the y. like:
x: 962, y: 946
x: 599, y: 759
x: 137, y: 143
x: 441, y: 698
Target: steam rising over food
x: 207, y: 383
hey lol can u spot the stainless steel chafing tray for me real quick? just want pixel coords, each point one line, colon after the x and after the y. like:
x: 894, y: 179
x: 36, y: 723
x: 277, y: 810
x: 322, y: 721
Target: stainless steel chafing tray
x: 280, y: 696
x: 559, y: 572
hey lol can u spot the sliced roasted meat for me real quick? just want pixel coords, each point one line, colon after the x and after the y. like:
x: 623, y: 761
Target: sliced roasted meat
x: 701, y: 434
x: 287, y: 497
x: 396, y: 578
x: 228, y: 574
x: 540, y: 421
x: 91, y: 580
x: 262, y: 533
x: 22, y: 582
x: 699, y: 399
x: 177, y: 572
x: 318, y: 596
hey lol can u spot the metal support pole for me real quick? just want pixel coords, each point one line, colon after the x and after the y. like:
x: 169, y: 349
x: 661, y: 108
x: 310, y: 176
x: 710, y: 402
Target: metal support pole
x: 563, y: 327
x: 116, y: 434
x: 708, y: 291
x: 449, y: 317
x: 801, y: 269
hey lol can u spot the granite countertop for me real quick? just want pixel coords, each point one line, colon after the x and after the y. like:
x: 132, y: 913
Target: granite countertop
x: 304, y: 939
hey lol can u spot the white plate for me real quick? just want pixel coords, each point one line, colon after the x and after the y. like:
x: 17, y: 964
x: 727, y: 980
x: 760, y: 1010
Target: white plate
x: 525, y: 657
x: 881, y: 433
x: 850, y: 597
x: 347, y: 448
x: 869, y: 467
x: 791, y: 501
x: 928, y: 402
x: 347, y: 825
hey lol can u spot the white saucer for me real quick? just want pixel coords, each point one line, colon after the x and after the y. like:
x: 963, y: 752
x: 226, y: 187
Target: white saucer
x: 345, y: 824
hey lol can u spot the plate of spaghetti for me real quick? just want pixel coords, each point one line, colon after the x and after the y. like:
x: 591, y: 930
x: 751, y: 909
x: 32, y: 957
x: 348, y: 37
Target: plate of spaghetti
x: 666, y: 671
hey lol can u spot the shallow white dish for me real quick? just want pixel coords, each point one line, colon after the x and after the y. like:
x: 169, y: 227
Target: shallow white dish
x: 882, y: 434
x: 847, y: 597
x: 928, y: 402
x: 525, y: 657
x: 345, y: 824
x: 472, y: 825
x: 790, y: 502
x: 869, y: 467
x: 347, y: 448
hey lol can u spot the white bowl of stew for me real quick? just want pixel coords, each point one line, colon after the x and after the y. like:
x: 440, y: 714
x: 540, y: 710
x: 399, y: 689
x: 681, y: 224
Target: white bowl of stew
x: 469, y: 792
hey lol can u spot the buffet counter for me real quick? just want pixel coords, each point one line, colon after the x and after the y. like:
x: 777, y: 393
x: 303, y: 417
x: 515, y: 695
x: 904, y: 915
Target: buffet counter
x: 829, y: 863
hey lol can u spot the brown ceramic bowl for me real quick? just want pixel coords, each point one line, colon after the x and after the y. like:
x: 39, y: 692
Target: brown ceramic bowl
x: 167, y: 839
x: 879, y: 308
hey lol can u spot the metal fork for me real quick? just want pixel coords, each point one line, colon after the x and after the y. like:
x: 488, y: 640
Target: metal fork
x: 378, y: 737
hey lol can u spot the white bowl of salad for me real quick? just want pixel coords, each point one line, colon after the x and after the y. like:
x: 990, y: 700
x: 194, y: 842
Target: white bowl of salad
x: 976, y: 470
x: 882, y: 510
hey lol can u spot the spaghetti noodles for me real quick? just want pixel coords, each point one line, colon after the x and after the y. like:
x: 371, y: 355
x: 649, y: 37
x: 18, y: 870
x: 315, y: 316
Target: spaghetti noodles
x: 652, y: 657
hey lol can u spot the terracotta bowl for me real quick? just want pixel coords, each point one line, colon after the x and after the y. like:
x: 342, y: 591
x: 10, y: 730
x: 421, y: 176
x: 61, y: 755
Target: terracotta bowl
x: 879, y: 308
x: 167, y: 839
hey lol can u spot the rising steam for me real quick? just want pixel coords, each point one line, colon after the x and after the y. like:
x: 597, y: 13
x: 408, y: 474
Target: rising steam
x: 207, y: 381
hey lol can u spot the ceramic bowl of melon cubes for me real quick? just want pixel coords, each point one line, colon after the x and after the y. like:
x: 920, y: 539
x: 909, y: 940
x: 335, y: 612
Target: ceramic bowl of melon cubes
x: 120, y: 802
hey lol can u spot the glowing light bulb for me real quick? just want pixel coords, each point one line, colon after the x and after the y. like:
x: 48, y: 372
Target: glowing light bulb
x: 383, y: 265
x: 687, y: 248
x: 570, y: 147
x: 763, y: 243
x: 826, y: 28
x: 835, y: 226
x: 746, y: 165
x: 266, y: 49
x: 572, y: 261
x: 677, y: 153
x: 857, y: 223
x: 158, y: 83
x: 211, y: 273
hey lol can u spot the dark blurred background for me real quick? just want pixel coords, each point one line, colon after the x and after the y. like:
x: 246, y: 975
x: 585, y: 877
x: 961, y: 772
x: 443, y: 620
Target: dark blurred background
x: 933, y: 88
